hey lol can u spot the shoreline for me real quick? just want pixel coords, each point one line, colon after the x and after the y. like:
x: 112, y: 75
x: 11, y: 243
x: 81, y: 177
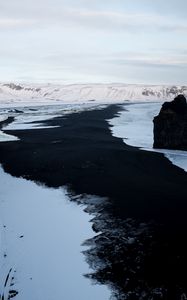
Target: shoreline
x: 135, y: 126
x: 144, y: 214
x: 38, y: 259
x: 81, y: 153
x: 9, y: 120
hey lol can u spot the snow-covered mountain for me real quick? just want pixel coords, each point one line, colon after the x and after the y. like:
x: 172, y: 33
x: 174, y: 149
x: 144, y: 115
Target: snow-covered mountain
x: 47, y: 93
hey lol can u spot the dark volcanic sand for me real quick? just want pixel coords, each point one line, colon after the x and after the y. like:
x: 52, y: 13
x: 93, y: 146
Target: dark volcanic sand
x: 6, y: 122
x: 83, y: 154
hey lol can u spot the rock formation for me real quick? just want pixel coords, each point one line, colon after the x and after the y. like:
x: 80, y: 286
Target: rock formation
x: 170, y: 126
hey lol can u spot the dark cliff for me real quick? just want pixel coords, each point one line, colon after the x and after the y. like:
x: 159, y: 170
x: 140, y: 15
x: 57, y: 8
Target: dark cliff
x: 170, y: 126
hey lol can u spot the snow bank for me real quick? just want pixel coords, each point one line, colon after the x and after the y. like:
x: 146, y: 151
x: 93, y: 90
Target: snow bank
x: 135, y: 126
x: 41, y: 233
x: 7, y: 137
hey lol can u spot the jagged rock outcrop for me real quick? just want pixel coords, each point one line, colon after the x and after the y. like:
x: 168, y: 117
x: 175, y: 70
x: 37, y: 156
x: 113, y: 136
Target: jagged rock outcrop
x: 170, y: 126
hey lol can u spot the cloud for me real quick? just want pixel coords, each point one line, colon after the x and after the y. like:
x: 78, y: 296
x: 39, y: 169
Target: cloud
x: 80, y: 38
x: 151, y: 59
x: 61, y: 14
x: 108, y: 20
x: 8, y: 23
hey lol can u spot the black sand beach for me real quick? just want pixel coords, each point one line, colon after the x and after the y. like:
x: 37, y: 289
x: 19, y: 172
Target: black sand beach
x: 82, y: 154
x: 6, y: 122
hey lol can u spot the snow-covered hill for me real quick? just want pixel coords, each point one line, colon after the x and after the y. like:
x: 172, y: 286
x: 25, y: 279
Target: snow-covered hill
x: 35, y: 93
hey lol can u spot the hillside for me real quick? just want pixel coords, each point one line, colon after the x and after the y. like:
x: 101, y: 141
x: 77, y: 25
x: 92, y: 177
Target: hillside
x: 15, y: 93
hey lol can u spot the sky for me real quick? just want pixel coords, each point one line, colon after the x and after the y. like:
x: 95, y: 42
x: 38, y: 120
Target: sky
x: 82, y: 41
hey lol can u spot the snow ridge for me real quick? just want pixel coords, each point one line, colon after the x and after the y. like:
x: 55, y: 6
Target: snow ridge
x: 11, y: 92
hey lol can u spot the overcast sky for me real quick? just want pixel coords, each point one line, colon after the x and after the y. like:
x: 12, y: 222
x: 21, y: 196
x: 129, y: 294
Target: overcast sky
x: 66, y: 41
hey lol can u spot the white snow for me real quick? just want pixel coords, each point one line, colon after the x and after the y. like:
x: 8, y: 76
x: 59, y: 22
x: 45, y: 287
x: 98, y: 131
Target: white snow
x: 32, y: 94
x: 7, y: 137
x: 24, y: 121
x: 71, y: 98
x: 41, y: 233
x: 135, y: 126
x: 3, y: 136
